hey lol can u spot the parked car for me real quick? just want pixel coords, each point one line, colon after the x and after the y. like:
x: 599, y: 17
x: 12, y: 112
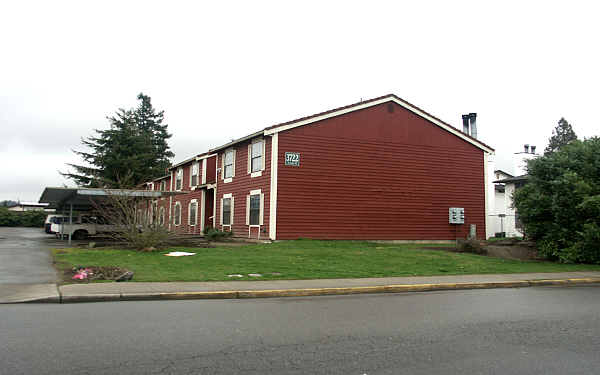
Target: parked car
x: 84, y: 226
x: 53, y: 220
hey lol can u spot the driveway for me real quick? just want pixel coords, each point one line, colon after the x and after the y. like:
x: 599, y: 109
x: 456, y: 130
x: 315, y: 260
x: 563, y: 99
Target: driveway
x: 25, y: 256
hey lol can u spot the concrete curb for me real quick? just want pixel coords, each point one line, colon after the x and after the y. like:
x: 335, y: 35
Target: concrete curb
x: 240, y: 294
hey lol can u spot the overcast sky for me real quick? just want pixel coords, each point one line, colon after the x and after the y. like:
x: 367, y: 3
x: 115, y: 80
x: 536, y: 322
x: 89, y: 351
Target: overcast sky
x: 221, y: 70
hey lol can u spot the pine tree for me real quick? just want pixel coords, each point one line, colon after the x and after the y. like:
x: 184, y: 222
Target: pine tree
x: 561, y: 135
x: 132, y: 151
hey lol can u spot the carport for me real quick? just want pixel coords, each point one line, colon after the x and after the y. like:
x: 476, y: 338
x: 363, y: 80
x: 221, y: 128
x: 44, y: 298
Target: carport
x: 65, y: 200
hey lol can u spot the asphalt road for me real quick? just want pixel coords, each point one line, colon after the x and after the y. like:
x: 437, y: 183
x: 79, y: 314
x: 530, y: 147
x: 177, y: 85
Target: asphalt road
x: 499, y: 331
x: 25, y: 256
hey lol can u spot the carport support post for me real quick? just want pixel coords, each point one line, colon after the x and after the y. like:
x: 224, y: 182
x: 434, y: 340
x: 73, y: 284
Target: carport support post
x: 70, y: 221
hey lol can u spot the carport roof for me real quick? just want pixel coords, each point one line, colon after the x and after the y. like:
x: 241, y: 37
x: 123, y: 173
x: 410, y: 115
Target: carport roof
x: 81, y: 198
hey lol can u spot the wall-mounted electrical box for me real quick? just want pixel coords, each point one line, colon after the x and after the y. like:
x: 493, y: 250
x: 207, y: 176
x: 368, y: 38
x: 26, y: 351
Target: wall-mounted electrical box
x: 456, y: 215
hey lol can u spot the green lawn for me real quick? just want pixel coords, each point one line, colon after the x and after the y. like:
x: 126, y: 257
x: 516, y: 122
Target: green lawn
x: 302, y: 259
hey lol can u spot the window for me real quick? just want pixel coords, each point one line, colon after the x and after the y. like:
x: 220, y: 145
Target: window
x: 194, y: 175
x: 153, y: 212
x: 256, y: 156
x: 177, y: 214
x: 228, y: 164
x: 255, y: 208
x: 161, y: 217
x: 226, y: 216
x: 179, y: 179
x: 192, y: 211
x: 163, y: 185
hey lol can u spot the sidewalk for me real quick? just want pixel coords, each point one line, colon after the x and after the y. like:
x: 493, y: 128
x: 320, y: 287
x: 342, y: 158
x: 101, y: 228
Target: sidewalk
x: 128, y: 291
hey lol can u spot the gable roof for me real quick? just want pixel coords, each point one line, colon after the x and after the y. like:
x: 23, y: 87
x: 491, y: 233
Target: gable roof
x: 505, y: 173
x: 356, y: 107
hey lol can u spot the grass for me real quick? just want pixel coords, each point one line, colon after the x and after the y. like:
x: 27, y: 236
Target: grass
x: 302, y: 259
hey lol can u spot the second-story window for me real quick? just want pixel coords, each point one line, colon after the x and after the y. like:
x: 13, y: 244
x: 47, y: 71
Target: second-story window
x: 256, y: 156
x: 179, y: 179
x: 194, y: 175
x: 163, y: 185
x: 228, y: 164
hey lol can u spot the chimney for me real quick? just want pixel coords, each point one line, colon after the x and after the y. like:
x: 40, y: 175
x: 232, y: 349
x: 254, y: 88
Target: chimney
x: 526, y: 148
x: 533, y: 149
x: 472, y: 117
x: 465, y: 124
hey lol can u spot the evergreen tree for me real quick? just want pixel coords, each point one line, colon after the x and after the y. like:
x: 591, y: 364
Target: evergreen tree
x: 132, y: 151
x: 561, y: 135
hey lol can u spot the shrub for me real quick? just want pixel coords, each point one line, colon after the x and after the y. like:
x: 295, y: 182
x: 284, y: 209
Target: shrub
x: 213, y: 234
x: 21, y: 219
x: 471, y: 246
x: 560, y: 204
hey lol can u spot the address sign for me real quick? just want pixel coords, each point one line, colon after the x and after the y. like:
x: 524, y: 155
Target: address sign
x: 292, y: 158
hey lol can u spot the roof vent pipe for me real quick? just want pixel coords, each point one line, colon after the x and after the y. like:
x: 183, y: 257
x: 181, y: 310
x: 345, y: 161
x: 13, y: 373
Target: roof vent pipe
x: 526, y: 148
x: 533, y: 149
x: 473, y: 117
x: 465, y: 124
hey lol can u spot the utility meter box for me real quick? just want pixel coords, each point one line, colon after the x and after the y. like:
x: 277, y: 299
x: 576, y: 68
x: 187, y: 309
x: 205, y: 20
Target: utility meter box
x: 456, y: 215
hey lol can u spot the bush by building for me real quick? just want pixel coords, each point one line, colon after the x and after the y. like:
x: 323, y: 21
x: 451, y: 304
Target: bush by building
x: 21, y: 219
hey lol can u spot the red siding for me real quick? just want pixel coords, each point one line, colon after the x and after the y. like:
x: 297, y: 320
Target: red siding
x: 240, y: 187
x: 185, y: 199
x: 378, y: 173
x: 211, y: 170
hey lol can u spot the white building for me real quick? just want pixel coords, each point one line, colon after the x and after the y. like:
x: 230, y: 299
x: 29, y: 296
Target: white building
x: 503, y: 216
x: 29, y: 206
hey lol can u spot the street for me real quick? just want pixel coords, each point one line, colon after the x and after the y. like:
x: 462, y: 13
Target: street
x: 499, y: 331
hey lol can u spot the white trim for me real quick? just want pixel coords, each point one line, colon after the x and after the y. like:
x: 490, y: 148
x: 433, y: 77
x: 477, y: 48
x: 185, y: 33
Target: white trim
x: 255, y: 174
x: 228, y: 195
x: 487, y: 227
x: 202, y: 211
x: 273, y: 190
x: 232, y: 150
x: 203, y: 171
x: 262, y: 157
x: 254, y: 192
x: 180, y: 169
x: 174, y: 209
x: 204, y: 157
x: 357, y: 107
x: 248, y: 211
x: 161, y: 215
x: 192, y: 174
x: 193, y: 201
x: 221, y: 212
x: 227, y: 180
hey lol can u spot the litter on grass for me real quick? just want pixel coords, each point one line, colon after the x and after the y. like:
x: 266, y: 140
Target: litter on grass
x: 179, y: 254
x: 254, y: 275
x: 235, y: 275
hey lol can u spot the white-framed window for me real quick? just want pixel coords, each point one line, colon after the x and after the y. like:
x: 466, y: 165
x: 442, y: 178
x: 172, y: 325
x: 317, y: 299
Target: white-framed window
x: 179, y: 179
x: 177, y: 214
x: 153, y: 212
x: 227, y: 210
x: 256, y: 157
x: 229, y: 164
x: 161, y: 217
x: 255, y: 208
x: 193, y: 212
x: 194, y: 175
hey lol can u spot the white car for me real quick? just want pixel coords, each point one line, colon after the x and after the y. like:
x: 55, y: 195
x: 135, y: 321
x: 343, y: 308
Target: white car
x: 84, y: 226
